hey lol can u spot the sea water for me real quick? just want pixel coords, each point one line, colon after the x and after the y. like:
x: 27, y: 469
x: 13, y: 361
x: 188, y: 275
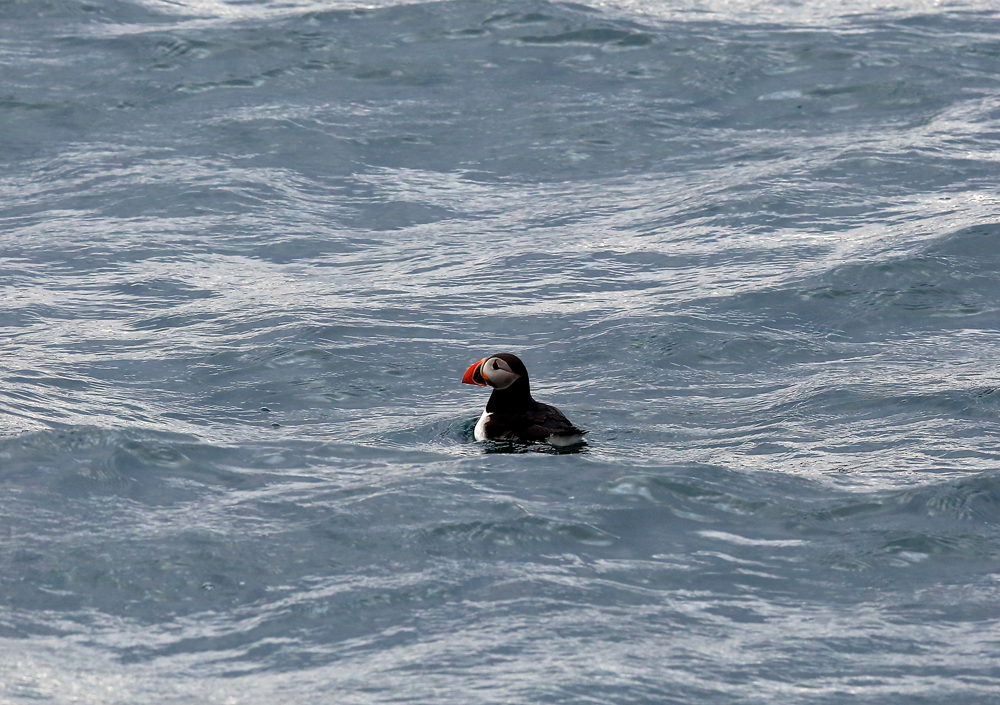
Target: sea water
x: 248, y: 250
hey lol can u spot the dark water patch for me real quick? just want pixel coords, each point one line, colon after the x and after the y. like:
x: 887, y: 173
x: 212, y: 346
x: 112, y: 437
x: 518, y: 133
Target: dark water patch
x: 173, y: 321
x: 594, y: 36
x: 943, y: 287
x: 521, y: 531
x: 947, y: 524
x: 967, y: 248
x: 75, y: 11
x: 80, y: 461
x: 975, y: 499
x: 917, y: 286
x: 153, y: 290
x: 519, y: 18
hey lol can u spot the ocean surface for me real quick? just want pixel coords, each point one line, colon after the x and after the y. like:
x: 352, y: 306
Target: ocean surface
x: 248, y: 248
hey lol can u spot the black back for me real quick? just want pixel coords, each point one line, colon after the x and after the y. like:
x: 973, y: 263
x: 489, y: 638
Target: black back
x: 515, y: 415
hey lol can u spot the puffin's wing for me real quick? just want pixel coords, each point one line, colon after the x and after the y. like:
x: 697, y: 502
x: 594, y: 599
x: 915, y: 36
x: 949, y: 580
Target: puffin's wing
x: 548, y: 421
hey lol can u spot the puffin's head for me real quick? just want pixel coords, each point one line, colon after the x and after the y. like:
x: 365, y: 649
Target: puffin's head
x: 498, y: 371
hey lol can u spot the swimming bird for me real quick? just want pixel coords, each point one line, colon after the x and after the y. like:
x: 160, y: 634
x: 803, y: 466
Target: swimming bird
x: 511, y: 413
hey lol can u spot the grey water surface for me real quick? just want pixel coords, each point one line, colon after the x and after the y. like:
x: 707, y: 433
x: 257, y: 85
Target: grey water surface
x: 249, y: 248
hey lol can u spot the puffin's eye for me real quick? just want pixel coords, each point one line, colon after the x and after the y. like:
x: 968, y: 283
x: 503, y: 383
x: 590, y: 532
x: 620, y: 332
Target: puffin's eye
x: 495, y: 365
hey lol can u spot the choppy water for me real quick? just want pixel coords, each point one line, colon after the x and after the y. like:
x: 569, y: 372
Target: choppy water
x: 248, y: 250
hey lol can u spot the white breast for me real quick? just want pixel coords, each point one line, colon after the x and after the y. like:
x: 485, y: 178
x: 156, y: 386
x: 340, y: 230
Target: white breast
x: 480, y: 432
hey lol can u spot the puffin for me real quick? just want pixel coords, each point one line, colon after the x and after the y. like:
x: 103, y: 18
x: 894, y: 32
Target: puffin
x: 512, y: 414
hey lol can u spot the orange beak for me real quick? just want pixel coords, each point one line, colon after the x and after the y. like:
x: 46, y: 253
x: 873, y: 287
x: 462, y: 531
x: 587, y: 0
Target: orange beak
x: 474, y: 375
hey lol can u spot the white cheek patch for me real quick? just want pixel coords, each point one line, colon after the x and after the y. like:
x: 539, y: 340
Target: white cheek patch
x: 498, y: 373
